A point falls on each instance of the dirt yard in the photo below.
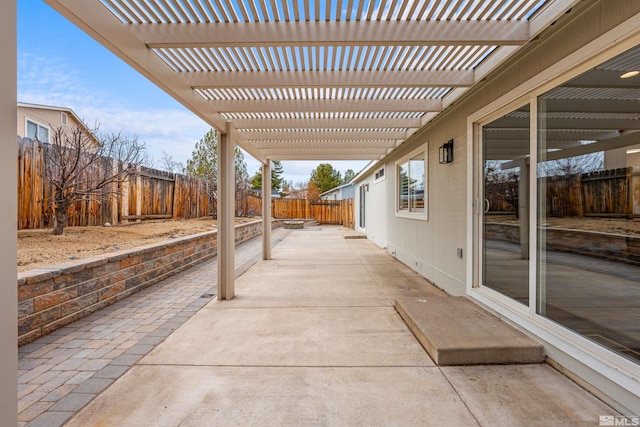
(38, 248)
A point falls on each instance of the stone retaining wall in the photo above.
(615, 247)
(50, 298)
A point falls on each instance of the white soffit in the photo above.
(314, 80)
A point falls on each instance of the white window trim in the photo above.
(423, 216)
(383, 177)
(27, 120)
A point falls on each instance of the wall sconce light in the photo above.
(366, 187)
(446, 152)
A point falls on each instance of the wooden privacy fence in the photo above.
(144, 194)
(339, 212)
(148, 194)
(609, 193)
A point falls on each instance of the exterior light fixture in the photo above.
(630, 74)
(445, 152)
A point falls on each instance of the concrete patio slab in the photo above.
(319, 344)
(269, 284)
(455, 331)
(351, 336)
(518, 395)
(198, 396)
(397, 281)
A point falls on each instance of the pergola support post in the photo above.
(226, 215)
(266, 210)
(8, 218)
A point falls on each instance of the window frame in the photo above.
(38, 126)
(380, 178)
(407, 213)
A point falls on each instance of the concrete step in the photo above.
(348, 233)
(455, 331)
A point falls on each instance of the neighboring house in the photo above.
(344, 191)
(40, 121)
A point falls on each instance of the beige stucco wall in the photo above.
(50, 118)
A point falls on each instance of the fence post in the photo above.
(124, 199)
(138, 191)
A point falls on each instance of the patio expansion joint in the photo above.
(196, 365)
(457, 392)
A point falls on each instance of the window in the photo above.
(63, 117)
(379, 175)
(411, 173)
(37, 131)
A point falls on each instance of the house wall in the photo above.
(340, 193)
(430, 247)
(333, 195)
(49, 118)
(376, 212)
(348, 192)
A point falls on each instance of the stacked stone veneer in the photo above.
(615, 247)
(50, 298)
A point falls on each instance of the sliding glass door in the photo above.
(586, 177)
(505, 216)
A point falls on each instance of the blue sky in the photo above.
(60, 65)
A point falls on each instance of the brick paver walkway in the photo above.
(61, 372)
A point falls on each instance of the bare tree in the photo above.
(168, 164)
(501, 187)
(573, 165)
(83, 167)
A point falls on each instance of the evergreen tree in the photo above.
(348, 176)
(276, 177)
(325, 177)
(204, 164)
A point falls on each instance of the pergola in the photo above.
(310, 80)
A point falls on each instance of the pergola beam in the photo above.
(324, 156)
(326, 144)
(329, 123)
(336, 151)
(318, 33)
(302, 135)
(325, 105)
(338, 79)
